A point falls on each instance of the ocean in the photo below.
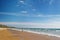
(47, 31)
(55, 31)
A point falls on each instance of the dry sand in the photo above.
(9, 34)
(6, 35)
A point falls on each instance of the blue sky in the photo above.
(45, 12)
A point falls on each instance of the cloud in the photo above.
(40, 15)
(51, 1)
(34, 9)
(25, 13)
(23, 24)
(17, 5)
(48, 1)
(21, 1)
(52, 22)
(6, 13)
(22, 13)
(32, 25)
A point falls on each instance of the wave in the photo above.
(49, 34)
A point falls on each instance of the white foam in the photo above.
(37, 32)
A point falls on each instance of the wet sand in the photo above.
(9, 34)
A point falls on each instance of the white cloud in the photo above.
(40, 15)
(32, 25)
(22, 13)
(21, 1)
(25, 13)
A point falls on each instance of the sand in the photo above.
(9, 34)
(6, 35)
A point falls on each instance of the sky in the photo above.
(30, 13)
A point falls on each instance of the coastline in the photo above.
(37, 32)
(17, 34)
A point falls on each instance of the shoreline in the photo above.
(18, 34)
(32, 32)
(37, 32)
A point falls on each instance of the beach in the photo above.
(9, 34)
(6, 35)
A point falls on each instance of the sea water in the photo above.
(45, 31)
(55, 31)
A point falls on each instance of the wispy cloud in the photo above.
(34, 9)
(51, 1)
(22, 13)
(48, 1)
(21, 1)
(40, 15)
(53, 21)
(25, 13)
(6, 13)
